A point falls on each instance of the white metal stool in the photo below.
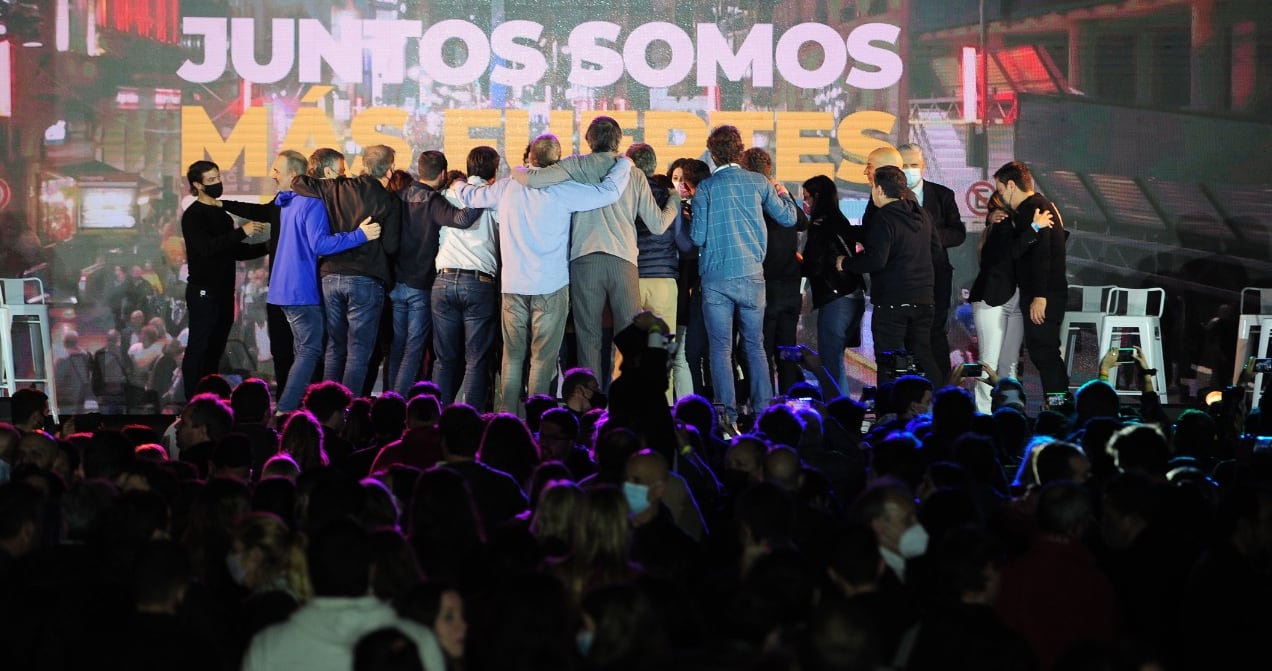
(1256, 306)
(1136, 314)
(33, 331)
(1091, 301)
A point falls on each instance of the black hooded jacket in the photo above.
(899, 247)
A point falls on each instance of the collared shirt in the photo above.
(918, 192)
(534, 225)
(728, 222)
(474, 248)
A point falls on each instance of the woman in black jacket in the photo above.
(838, 297)
(995, 295)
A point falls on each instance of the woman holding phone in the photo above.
(995, 296)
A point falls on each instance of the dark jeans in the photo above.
(905, 327)
(211, 318)
(353, 304)
(781, 317)
(838, 327)
(281, 345)
(1043, 342)
(412, 335)
(696, 345)
(465, 312)
(305, 324)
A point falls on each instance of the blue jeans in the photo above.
(306, 322)
(412, 333)
(721, 300)
(353, 304)
(465, 309)
(835, 321)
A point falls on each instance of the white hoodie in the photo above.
(323, 633)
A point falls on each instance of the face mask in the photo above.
(912, 176)
(808, 208)
(6, 472)
(584, 641)
(235, 566)
(214, 190)
(914, 542)
(637, 497)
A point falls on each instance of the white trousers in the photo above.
(1000, 330)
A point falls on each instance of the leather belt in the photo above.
(464, 271)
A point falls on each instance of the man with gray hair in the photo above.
(354, 281)
(603, 248)
(534, 237)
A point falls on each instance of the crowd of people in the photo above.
(651, 510)
(399, 533)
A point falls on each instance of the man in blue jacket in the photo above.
(304, 235)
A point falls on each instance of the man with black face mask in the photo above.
(213, 246)
(581, 391)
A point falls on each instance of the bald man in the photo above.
(878, 158)
(648, 483)
(659, 543)
(782, 467)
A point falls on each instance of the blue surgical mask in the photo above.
(637, 497)
(584, 641)
(912, 176)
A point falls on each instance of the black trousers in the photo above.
(941, 291)
(211, 317)
(909, 328)
(781, 318)
(281, 345)
(1043, 343)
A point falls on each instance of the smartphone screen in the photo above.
(1125, 354)
(973, 370)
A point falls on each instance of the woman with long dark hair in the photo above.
(995, 295)
(838, 297)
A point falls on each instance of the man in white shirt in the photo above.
(534, 239)
(465, 297)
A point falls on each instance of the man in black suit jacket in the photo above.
(939, 202)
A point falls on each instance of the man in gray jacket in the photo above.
(603, 249)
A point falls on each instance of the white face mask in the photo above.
(637, 497)
(235, 565)
(913, 542)
(912, 176)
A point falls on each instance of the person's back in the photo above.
(907, 276)
(323, 633)
(731, 204)
(348, 201)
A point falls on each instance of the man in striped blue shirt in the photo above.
(728, 229)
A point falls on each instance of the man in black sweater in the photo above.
(354, 281)
(213, 246)
(1040, 273)
(424, 211)
(900, 244)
